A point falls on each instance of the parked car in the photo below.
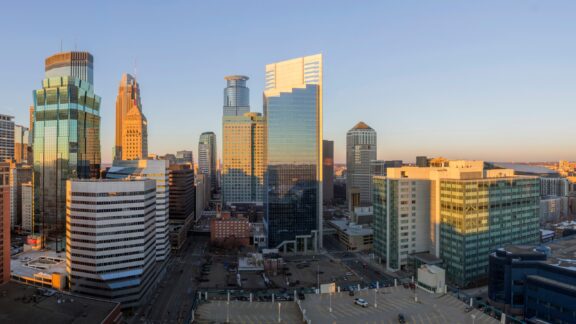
(401, 319)
(351, 293)
(361, 302)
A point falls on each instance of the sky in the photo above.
(491, 79)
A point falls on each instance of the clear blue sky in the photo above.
(493, 80)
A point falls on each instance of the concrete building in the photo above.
(553, 209)
(536, 282)
(401, 219)
(554, 187)
(21, 144)
(243, 158)
(361, 148)
(293, 181)
(4, 222)
(156, 170)
(27, 207)
(131, 124)
(183, 157)
(66, 141)
(111, 250)
(19, 174)
(182, 202)
(354, 237)
(230, 230)
(474, 210)
(6, 137)
(379, 167)
(202, 185)
(208, 158)
(328, 172)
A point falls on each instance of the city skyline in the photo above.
(478, 76)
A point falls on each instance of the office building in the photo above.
(230, 230)
(401, 219)
(236, 96)
(131, 125)
(156, 170)
(422, 161)
(293, 180)
(536, 282)
(379, 167)
(328, 171)
(553, 209)
(208, 158)
(360, 151)
(27, 203)
(110, 251)
(243, 159)
(21, 144)
(474, 210)
(19, 174)
(66, 141)
(554, 186)
(6, 137)
(4, 222)
(182, 197)
(354, 237)
(185, 157)
(202, 185)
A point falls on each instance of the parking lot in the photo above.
(386, 304)
(246, 312)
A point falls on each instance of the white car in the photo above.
(361, 302)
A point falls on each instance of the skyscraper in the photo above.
(236, 96)
(21, 143)
(328, 172)
(131, 124)
(360, 151)
(293, 179)
(66, 141)
(243, 158)
(185, 157)
(207, 158)
(4, 222)
(6, 137)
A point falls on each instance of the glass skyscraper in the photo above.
(66, 136)
(293, 178)
(236, 96)
(207, 157)
(360, 151)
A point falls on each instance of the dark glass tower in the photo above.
(66, 139)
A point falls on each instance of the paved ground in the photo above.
(390, 302)
(246, 312)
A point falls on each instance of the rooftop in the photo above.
(361, 125)
(350, 228)
(38, 263)
(26, 304)
(561, 253)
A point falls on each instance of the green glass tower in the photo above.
(66, 139)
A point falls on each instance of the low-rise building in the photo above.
(353, 236)
(432, 278)
(538, 282)
(230, 229)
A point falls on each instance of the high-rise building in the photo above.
(185, 157)
(182, 192)
(155, 170)
(554, 186)
(236, 96)
(131, 125)
(243, 158)
(293, 179)
(202, 185)
(473, 210)
(208, 157)
(110, 249)
(328, 172)
(6, 137)
(4, 222)
(379, 167)
(21, 144)
(19, 174)
(27, 203)
(66, 141)
(360, 151)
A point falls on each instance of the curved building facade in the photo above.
(236, 96)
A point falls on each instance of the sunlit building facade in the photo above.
(131, 124)
(6, 137)
(293, 178)
(208, 158)
(66, 141)
(243, 158)
(236, 96)
(360, 151)
(328, 172)
(21, 144)
(4, 222)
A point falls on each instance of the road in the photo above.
(173, 299)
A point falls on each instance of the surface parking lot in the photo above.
(246, 312)
(391, 302)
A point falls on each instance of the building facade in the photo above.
(156, 170)
(6, 137)
(19, 174)
(401, 219)
(243, 158)
(230, 230)
(360, 151)
(27, 204)
(293, 179)
(66, 141)
(328, 171)
(131, 124)
(185, 157)
(554, 186)
(208, 158)
(110, 251)
(236, 96)
(21, 144)
(4, 222)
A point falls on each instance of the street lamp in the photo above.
(376, 298)
(279, 308)
(473, 318)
